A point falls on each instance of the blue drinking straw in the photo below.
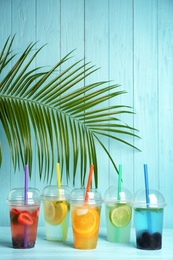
(147, 198)
(119, 180)
(146, 185)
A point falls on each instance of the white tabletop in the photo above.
(55, 250)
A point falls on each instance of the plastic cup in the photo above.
(148, 219)
(118, 214)
(24, 217)
(56, 212)
(85, 217)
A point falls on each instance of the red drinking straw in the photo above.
(89, 181)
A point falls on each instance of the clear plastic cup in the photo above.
(148, 219)
(56, 207)
(24, 217)
(118, 214)
(85, 217)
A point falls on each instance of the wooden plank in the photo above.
(72, 39)
(22, 18)
(23, 21)
(96, 50)
(165, 103)
(47, 32)
(6, 169)
(121, 72)
(5, 25)
(146, 90)
(72, 28)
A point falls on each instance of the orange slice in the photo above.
(85, 220)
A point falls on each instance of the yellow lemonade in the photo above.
(56, 216)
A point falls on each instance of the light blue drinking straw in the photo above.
(146, 185)
(147, 197)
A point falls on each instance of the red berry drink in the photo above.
(24, 221)
(24, 214)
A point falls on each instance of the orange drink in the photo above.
(85, 218)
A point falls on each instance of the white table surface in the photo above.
(105, 250)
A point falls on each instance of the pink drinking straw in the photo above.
(25, 201)
(89, 181)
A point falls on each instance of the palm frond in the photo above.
(54, 110)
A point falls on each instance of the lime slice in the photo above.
(120, 216)
(49, 211)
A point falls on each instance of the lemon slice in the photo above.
(49, 211)
(60, 212)
(55, 211)
(120, 216)
(85, 223)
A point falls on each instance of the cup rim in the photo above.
(87, 202)
(55, 197)
(115, 200)
(22, 203)
(143, 204)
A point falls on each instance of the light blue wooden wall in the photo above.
(132, 42)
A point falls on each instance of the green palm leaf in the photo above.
(55, 110)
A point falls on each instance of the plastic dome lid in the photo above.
(53, 192)
(16, 196)
(111, 194)
(155, 199)
(78, 196)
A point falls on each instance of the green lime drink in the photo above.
(118, 214)
(118, 221)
